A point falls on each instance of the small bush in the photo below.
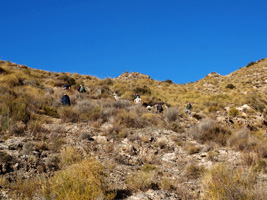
(239, 140)
(69, 156)
(142, 180)
(142, 90)
(138, 109)
(208, 130)
(171, 114)
(5, 157)
(154, 119)
(68, 114)
(107, 81)
(233, 112)
(261, 166)
(121, 104)
(69, 80)
(11, 80)
(162, 143)
(56, 142)
(84, 136)
(230, 86)
(168, 81)
(176, 127)
(130, 120)
(27, 148)
(50, 111)
(89, 111)
(84, 180)
(224, 182)
(251, 64)
(24, 188)
(194, 171)
(148, 168)
(191, 148)
(17, 128)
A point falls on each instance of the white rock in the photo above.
(169, 157)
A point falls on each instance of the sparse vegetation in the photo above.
(233, 112)
(84, 180)
(208, 130)
(46, 147)
(224, 182)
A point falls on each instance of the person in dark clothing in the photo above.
(66, 87)
(65, 100)
(159, 108)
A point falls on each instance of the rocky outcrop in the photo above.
(132, 76)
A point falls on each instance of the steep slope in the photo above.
(133, 153)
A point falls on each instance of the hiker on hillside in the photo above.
(81, 89)
(65, 100)
(136, 96)
(137, 100)
(159, 108)
(66, 87)
(188, 108)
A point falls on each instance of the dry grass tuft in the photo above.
(142, 180)
(84, 180)
(69, 156)
(223, 182)
(208, 130)
(68, 114)
(191, 148)
(171, 114)
(194, 171)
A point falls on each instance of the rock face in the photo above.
(132, 76)
(213, 74)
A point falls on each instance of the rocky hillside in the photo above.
(101, 147)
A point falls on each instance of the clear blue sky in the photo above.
(165, 39)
